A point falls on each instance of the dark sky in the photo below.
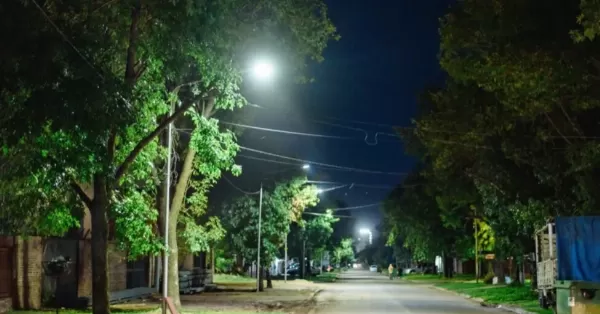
(387, 55)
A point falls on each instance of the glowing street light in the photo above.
(367, 231)
(319, 191)
(306, 166)
(263, 70)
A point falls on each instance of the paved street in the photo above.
(365, 292)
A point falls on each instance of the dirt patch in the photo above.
(271, 300)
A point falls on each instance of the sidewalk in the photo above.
(294, 296)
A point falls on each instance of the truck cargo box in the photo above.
(578, 248)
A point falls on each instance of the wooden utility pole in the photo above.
(476, 253)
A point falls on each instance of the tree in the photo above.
(343, 253)
(507, 139)
(318, 231)
(103, 88)
(280, 207)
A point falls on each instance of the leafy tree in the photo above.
(279, 209)
(87, 111)
(318, 231)
(343, 253)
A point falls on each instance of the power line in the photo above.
(322, 164)
(64, 37)
(358, 207)
(290, 132)
(239, 189)
(351, 185)
(321, 214)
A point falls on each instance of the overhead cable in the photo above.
(322, 164)
(357, 207)
(239, 189)
(290, 132)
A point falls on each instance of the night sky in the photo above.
(387, 55)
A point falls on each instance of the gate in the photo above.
(138, 273)
(6, 280)
(63, 290)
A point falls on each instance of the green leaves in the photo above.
(279, 209)
(134, 225)
(318, 230)
(215, 150)
(344, 253)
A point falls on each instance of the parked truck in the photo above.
(568, 265)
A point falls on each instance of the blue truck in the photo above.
(568, 264)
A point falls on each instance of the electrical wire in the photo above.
(386, 187)
(330, 189)
(290, 132)
(239, 189)
(66, 39)
(321, 214)
(357, 207)
(289, 163)
(322, 164)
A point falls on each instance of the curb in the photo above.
(481, 302)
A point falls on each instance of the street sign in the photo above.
(490, 256)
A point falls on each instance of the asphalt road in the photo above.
(365, 292)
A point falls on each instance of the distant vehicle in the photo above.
(373, 268)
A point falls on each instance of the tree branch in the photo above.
(84, 198)
(146, 140)
(111, 144)
(212, 93)
(556, 128)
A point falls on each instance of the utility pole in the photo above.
(259, 231)
(476, 254)
(303, 259)
(285, 262)
(167, 212)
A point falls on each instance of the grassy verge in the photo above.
(520, 296)
(438, 278)
(124, 309)
(324, 277)
(227, 278)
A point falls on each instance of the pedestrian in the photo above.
(391, 271)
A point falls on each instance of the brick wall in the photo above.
(29, 272)
(117, 268)
(84, 288)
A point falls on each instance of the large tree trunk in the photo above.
(99, 214)
(176, 204)
(261, 283)
(448, 264)
(269, 281)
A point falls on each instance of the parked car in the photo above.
(373, 268)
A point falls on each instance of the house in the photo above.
(25, 285)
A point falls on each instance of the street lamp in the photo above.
(367, 231)
(263, 69)
(306, 166)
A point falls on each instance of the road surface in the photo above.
(366, 292)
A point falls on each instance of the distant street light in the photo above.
(319, 191)
(306, 166)
(367, 231)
